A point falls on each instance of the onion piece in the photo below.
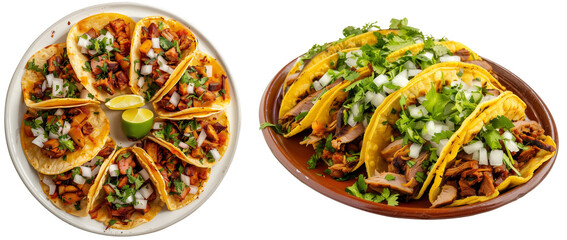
(140, 204)
(85, 94)
(129, 199)
(401, 80)
(201, 138)
(175, 98)
(183, 145)
(38, 131)
(414, 150)
(325, 80)
(190, 88)
(49, 78)
(511, 146)
(378, 99)
(113, 170)
(155, 43)
(86, 172)
(151, 53)
(146, 69)
(144, 174)
(95, 171)
(193, 189)
(215, 153)
(185, 179)
(427, 55)
(78, 179)
(57, 89)
(413, 72)
(350, 121)
(84, 42)
(450, 59)
(66, 128)
(44, 86)
(49, 182)
(141, 81)
(209, 70)
(496, 157)
(146, 191)
(442, 144)
(473, 147)
(483, 156)
(381, 79)
(157, 125)
(317, 85)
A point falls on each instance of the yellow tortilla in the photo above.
(512, 107)
(135, 53)
(214, 117)
(85, 202)
(198, 58)
(378, 135)
(78, 59)
(416, 48)
(30, 77)
(93, 144)
(350, 42)
(170, 201)
(99, 197)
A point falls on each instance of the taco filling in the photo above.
(59, 79)
(58, 131)
(128, 190)
(422, 131)
(160, 53)
(200, 139)
(72, 187)
(108, 53)
(181, 179)
(501, 149)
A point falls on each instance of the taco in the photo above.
(198, 140)
(202, 87)
(50, 81)
(343, 120)
(414, 127)
(499, 150)
(73, 190)
(99, 50)
(57, 140)
(160, 50)
(180, 182)
(127, 191)
(320, 52)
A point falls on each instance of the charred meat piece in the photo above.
(398, 182)
(448, 195)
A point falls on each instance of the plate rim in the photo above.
(400, 211)
(14, 146)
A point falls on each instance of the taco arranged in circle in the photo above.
(180, 182)
(501, 149)
(50, 81)
(127, 193)
(160, 51)
(201, 88)
(73, 190)
(199, 140)
(57, 140)
(99, 50)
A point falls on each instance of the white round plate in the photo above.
(15, 109)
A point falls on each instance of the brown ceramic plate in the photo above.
(294, 156)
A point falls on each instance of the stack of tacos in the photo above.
(398, 104)
(65, 132)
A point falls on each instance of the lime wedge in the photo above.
(137, 122)
(124, 102)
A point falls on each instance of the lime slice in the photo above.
(136, 123)
(124, 102)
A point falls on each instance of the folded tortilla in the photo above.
(135, 55)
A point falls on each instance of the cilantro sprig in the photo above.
(359, 190)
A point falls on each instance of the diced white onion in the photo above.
(85, 94)
(388, 90)
(175, 98)
(483, 156)
(183, 145)
(473, 147)
(378, 99)
(186, 179)
(401, 80)
(78, 179)
(155, 43)
(417, 111)
(44, 86)
(66, 128)
(209, 70)
(381, 79)
(113, 170)
(92, 52)
(352, 58)
(193, 189)
(157, 125)
(368, 96)
(49, 78)
(38, 131)
(427, 55)
(215, 153)
(49, 182)
(95, 171)
(146, 191)
(410, 65)
(140, 204)
(53, 135)
(141, 81)
(138, 196)
(201, 138)
(108, 48)
(317, 86)
(355, 109)
(57, 89)
(129, 199)
(414, 150)
(86, 172)
(325, 80)
(496, 157)
(84, 42)
(144, 174)
(476, 155)
(450, 59)
(151, 53)
(161, 60)
(511, 145)
(413, 72)
(421, 99)
(350, 121)
(442, 144)
(146, 69)
(166, 68)
(508, 135)
(190, 88)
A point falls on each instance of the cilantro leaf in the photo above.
(276, 127)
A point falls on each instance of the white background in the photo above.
(259, 198)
